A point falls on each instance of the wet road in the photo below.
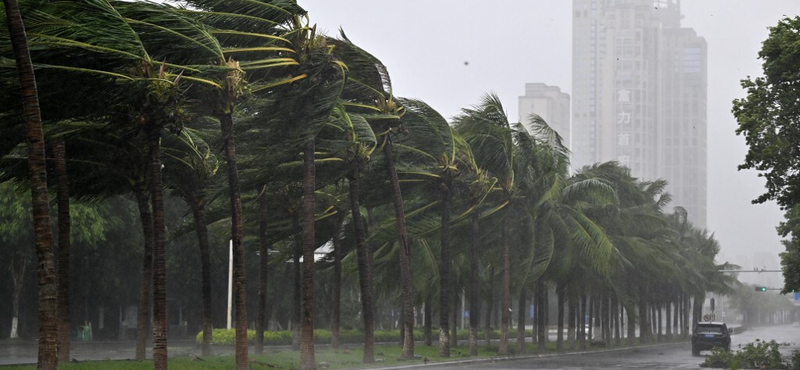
(669, 356)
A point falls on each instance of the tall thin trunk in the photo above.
(62, 180)
(307, 358)
(263, 269)
(591, 316)
(606, 320)
(685, 318)
(444, 275)
(402, 332)
(668, 318)
(572, 310)
(454, 321)
(561, 293)
(487, 328)
(143, 317)
(237, 234)
(521, 321)
(199, 213)
(541, 314)
(632, 323)
(337, 278)
(615, 311)
(676, 316)
(582, 320)
(506, 302)
(404, 251)
(297, 296)
(48, 303)
(159, 252)
(19, 263)
(474, 288)
(658, 321)
(428, 324)
(644, 325)
(364, 269)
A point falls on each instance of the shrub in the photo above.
(760, 354)
(795, 360)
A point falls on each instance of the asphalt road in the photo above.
(668, 356)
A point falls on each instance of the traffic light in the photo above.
(761, 289)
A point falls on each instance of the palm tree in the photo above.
(190, 167)
(134, 35)
(48, 314)
(354, 151)
(369, 92)
(442, 164)
(488, 131)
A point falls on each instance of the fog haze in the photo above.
(448, 53)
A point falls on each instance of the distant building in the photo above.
(639, 88)
(549, 103)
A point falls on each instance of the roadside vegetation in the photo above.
(757, 355)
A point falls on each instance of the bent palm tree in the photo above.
(48, 330)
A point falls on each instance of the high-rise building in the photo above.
(549, 103)
(639, 95)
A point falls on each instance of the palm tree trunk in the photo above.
(668, 319)
(159, 252)
(658, 322)
(675, 318)
(582, 320)
(560, 291)
(644, 325)
(487, 328)
(364, 269)
(506, 303)
(474, 288)
(444, 275)
(337, 278)
(454, 321)
(19, 263)
(404, 252)
(521, 321)
(428, 324)
(591, 316)
(615, 311)
(307, 360)
(62, 180)
(263, 253)
(572, 310)
(48, 303)
(685, 320)
(297, 296)
(541, 313)
(607, 320)
(143, 317)
(199, 213)
(237, 234)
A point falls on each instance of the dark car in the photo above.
(707, 335)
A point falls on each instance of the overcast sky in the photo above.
(450, 52)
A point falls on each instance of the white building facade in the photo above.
(639, 91)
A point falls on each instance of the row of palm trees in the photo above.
(130, 94)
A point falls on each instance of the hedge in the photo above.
(322, 336)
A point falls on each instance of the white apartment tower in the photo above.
(639, 95)
(549, 103)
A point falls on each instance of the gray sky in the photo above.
(425, 44)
